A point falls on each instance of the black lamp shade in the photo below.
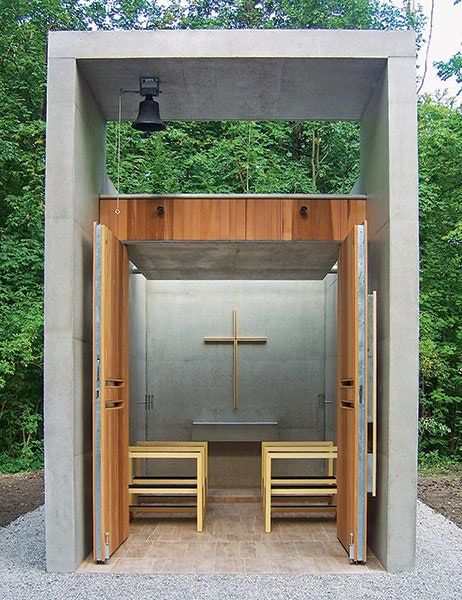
(148, 118)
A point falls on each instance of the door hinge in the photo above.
(148, 402)
(107, 553)
(351, 549)
(361, 393)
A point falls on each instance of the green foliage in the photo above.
(211, 157)
(236, 156)
(440, 135)
(451, 68)
(23, 30)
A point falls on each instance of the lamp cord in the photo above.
(119, 122)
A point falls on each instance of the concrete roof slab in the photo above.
(234, 260)
(236, 74)
(236, 43)
(231, 89)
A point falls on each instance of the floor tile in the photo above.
(310, 549)
(257, 565)
(137, 550)
(229, 565)
(132, 565)
(294, 565)
(233, 541)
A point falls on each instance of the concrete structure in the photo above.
(368, 76)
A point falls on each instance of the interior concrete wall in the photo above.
(137, 356)
(330, 284)
(278, 381)
(283, 380)
(75, 175)
(389, 178)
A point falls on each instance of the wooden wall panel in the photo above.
(263, 219)
(346, 475)
(352, 392)
(325, 219)
(348, 309)
(138, 219)
(232, 219)
(208, 219)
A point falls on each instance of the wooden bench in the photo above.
(186, 444)
(169, 494)
(311, 487)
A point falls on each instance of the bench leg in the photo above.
(268, 494)
(200, 494)
(263, 472)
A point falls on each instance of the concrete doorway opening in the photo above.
(178, 389)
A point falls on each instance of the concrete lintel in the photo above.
(273, 43)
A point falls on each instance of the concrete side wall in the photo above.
(137, 356)
(389, 177)
(75, 176)
(330, 284)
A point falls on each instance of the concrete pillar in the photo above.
(389, 178)
(75, 175)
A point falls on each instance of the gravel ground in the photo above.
(438, 573)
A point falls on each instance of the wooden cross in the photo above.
(235, 340)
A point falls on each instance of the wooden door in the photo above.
(352, 394)
(110, 393)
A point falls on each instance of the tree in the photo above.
(452, 67)
(195, 157)
(440, 135)
(23, 30)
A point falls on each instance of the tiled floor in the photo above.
(233, 541)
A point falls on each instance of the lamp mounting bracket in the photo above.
(149, 86)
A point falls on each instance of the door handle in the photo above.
(148, 401)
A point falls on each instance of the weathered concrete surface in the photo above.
(282, 380)
(389, 177)
(75, 176)
(245, 74)
(137, 356)
(234, 260)
(330, 411)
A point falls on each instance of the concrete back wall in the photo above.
(283, 380)
(278, 381)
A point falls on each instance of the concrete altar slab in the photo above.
(236, 431)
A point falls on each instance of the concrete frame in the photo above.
(75, 177)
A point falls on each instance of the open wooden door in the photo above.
(110, 393)
(352, 394)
